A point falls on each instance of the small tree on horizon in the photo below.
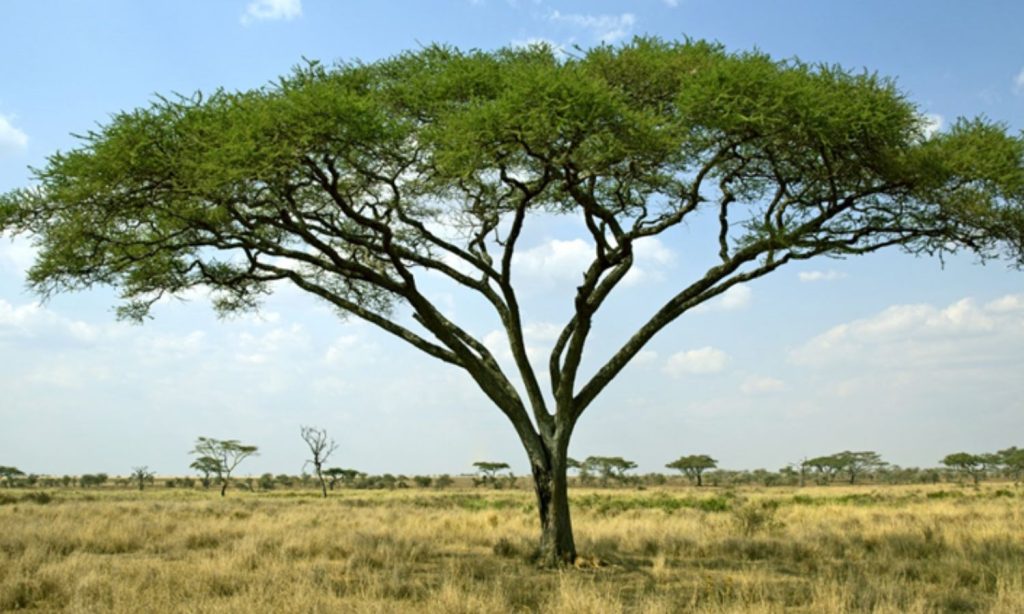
(221, 457)
(489, 474)
(693, 466)
(205, 466)
(321, 448)
(10, 474)
(1012, 460)
(609, 468)
(858, 463)
(972, 465)
(142, 476)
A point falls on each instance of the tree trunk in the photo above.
(223, 487)
(699, 481)
(550, 482)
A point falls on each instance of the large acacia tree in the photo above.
(357, 181)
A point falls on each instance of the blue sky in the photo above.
(887, 352)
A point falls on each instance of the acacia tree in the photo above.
(220, 457)
(857, 463)
(355, 182)
(1012, 460)
(205, 466)
(10, 474)
(609, 468)
(973, 465)
(693, 466)
(489, 474)
(141, 475)
(321, 448)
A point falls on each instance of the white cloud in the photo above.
(12, 140)
(812, 276)
(1018, 82)
(645, 357)
(1010, 302)
(272, 10)
(541, 331)
(351, 350)
(911, 336)
(651, 255)
(736, 297)
(696, 362)
(556, 260)
(756, 384)
(32, 320)
(17, 255)
(564, 261)
(260, 349)
(733, 299)
(538, 336)
(173, 345)
(933, 123)
(605, 28)
(533, 41)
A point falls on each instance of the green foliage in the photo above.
(219, 457)
(10, 474)
(336, 179)
(87, 480)
(487, 475)
(973, 465)
(610, 468)
(854, 464)
(693, 466)
(141, 476)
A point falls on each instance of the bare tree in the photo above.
(321, 448)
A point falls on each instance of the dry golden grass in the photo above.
(864, 549)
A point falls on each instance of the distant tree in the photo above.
(1012, 461)
(141, 476)
(825, 466)
(266, 481)
(206, 466)
(347, 477)
(693, 466)
(222, 456)
(854, 464)
(10, 474)
(858, 463)
(582, 472)
(609, 468)
(321, 448)
(972, 465)
(92, 479)
(443, 481)
(488, 472)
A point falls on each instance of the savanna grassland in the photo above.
(938, 548)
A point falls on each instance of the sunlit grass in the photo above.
(870, 549)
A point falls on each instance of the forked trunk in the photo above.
(557, 546)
